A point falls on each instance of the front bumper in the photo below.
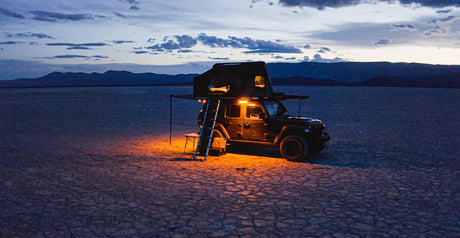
(325, 137)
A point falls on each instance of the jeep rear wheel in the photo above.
(294, 148)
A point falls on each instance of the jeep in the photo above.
(266, 122)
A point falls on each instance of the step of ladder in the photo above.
(207, 128)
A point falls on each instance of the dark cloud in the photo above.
(122, 41)
(186, 41)
(72, 44)
(433, 3)
(437, 30)
(79, 48)
(97, 57)
(30, 35)
(55, 16)
(70, 56)
(9, 13)
(405, 27)
(10, 42)
(321, 4)
(185, 51)
(138, 52)
(307, 46)
(119, 14)
(133, 4)
(441, 20)
(383, 42)
(253, 46)
(324, 50)
(443, 11)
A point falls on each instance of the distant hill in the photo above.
(450, 80)
(374, 74)
(109, 78)
(357, 71)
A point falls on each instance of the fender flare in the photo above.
(221, 128)
(289, 129)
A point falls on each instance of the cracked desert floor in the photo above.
(96, 162)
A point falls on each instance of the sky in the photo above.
(178, 36)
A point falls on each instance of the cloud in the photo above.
(30, 35)
(252, 45)
(186, 41)
(383, 42)
(322, 4)
(255, 46)
(307, 46)
(324, 50)
(403, 27)
(443, 11)
(70, 56)
(217, 58)
(122, 41)
(55, 16)
(10, 42)
(79, 48)
(9, 13)
(139, 52)
(100, 57)
(433, 3)
(133, 4)
(437, 30)
(119, 14)
(448, 19)
(319, 58)
(72, 44)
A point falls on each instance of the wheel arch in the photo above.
(289, 130)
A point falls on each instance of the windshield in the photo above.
(275, 109)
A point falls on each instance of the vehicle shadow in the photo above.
(253, 150)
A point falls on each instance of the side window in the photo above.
(259, 81)
(233, 111)
(253, 112)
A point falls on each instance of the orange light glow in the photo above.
(243, 101)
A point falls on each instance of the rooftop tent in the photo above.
(248, 79)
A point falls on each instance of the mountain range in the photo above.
(377, 74)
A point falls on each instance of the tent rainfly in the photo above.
(247, 79)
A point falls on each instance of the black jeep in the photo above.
(250, 112)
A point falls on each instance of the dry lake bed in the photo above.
(96, 162)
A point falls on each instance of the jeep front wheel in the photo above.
(294, 148)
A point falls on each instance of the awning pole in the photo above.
(170, 119)
(300, 103)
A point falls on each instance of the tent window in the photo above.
(259, 82)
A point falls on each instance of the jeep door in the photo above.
(254, 126)
(232, 121)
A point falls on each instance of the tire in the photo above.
(294, 148)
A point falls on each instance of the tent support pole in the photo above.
(170, 120)
(300, 103)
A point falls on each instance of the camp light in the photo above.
(242, 101)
